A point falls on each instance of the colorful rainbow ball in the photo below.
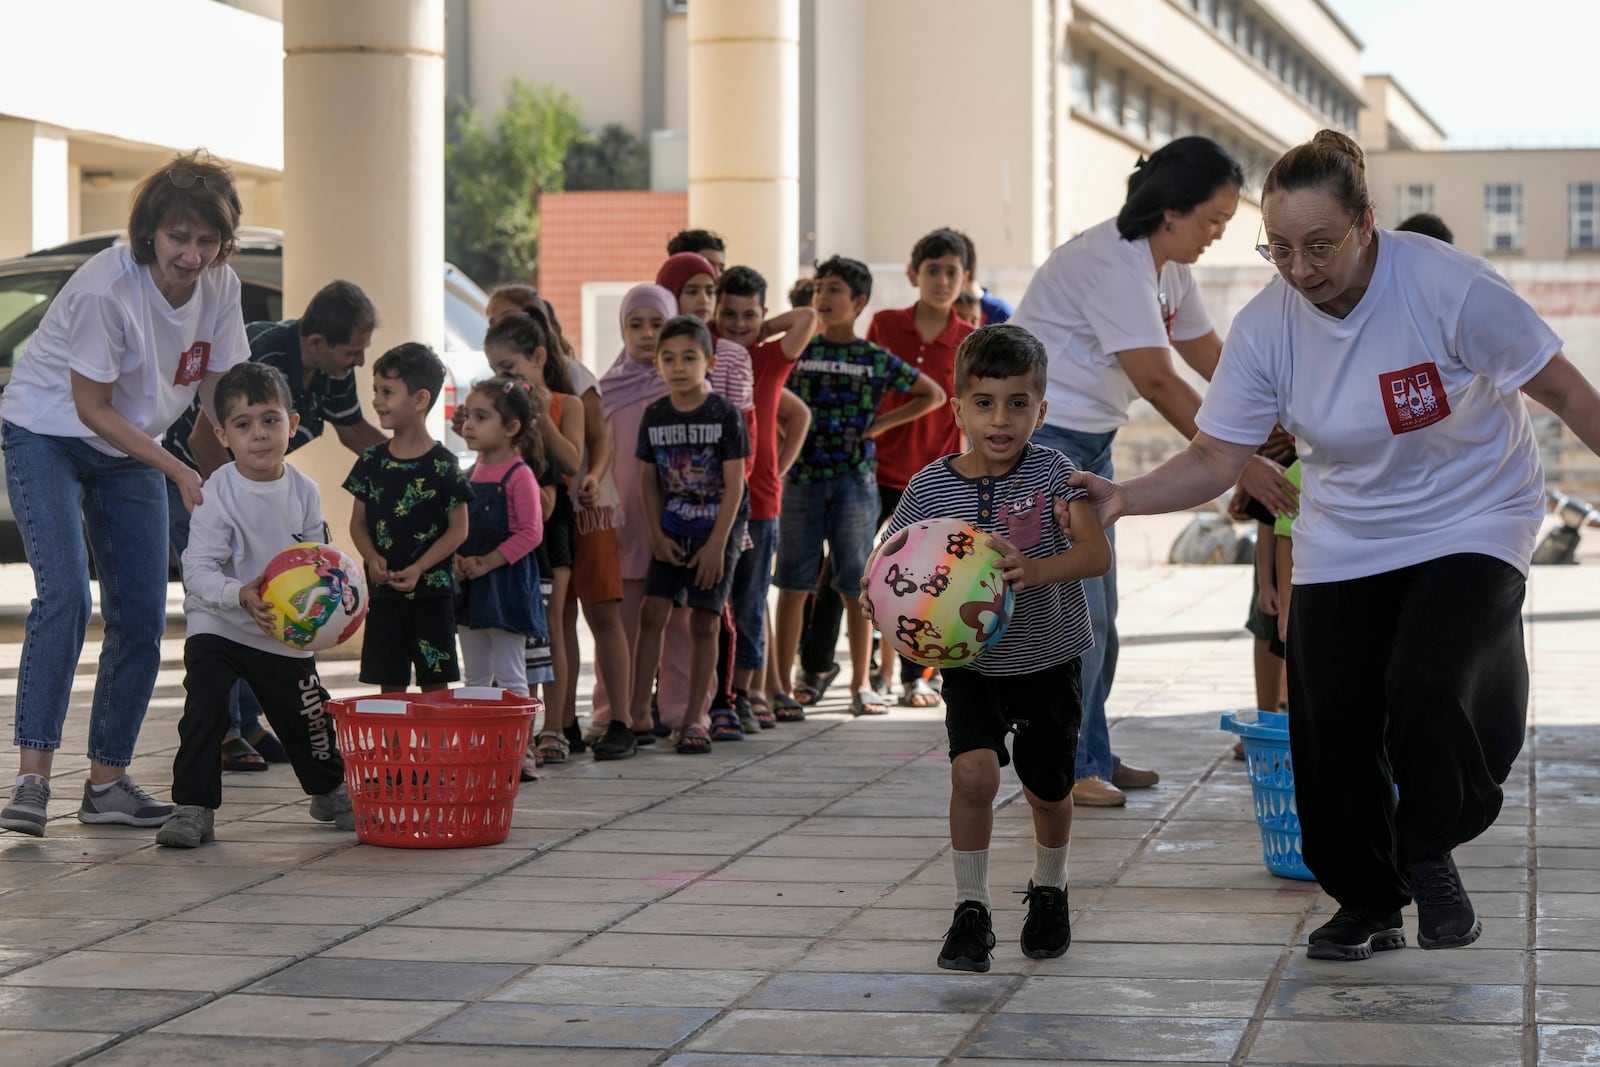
(935, 590)
(317, 593)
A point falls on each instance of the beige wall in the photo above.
(1392, 120)
(1458, 180)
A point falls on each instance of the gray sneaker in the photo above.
(123, 802)
(191, 826)
(26, 812)
(334, 806)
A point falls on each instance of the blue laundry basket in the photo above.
(1271, 769)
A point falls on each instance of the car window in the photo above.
(23, 300)
(259, 303)
(464, 325)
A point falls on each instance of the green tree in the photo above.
(616, 158)
(493, 179)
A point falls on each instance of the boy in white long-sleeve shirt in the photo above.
(254, 508)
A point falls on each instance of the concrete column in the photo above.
(35, 187)
(744, 141)
(363, 189)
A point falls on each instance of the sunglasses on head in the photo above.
(188, 179)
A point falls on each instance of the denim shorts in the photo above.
(843, 512)
(674, 583)
(751, 580)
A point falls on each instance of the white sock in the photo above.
(101, 790)
(1050, 865)
(972, 875)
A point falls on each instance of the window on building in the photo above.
(1108, 93)
(1136, 110)
(1269, 51)
(1502, 217)
(1208, 11)
(1583, 216)
(1409, 199)
(1164, 120)
(1247, 34)
(1228, 20)
(1083, 81)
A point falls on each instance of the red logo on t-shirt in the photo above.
(192, 364)
(1414, 397)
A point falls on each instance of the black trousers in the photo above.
(1415, 678)
(292, 697)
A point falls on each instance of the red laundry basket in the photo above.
(434, 770)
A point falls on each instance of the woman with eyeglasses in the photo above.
(1400, 364)
(123, 349)
(1110, 305)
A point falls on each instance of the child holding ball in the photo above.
(1008, 487)
(254, 508)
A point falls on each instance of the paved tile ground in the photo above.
(781, 901)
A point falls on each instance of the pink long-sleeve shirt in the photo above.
(522, 507)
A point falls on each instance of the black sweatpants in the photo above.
(292, 697)
(1415, 678)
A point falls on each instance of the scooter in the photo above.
(1560, 545)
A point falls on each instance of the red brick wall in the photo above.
(601, 237)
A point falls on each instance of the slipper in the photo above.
(881, 685)
(239, 755)
(552, 747)
(813, 686)
(530, 770)
(725, 725)
(270, 747)
(919, 694)
(786, 709)
(867, 702)
(761, 708)
(645, 738)
(694, 741)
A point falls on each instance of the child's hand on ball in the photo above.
(1015, 567)
(260, 610)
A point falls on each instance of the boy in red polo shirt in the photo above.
(926, 336)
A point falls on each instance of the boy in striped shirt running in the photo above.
(1028, 684)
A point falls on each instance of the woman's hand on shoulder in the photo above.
(1264, 480)
(1107, 497)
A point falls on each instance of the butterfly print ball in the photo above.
(934, 588)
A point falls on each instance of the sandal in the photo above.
(270, 747)
(868, 702)
(812, 686)
(725, 725)
(239, 755)
(553, 747)
(919, 694)
(530, 769)
(694, 741)
(761, 708)
(786, 709)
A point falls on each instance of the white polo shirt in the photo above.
(1414, 440)
(1095, 296)
(111, 324)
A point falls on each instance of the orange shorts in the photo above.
(596, 574)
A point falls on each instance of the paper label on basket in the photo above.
(478, 692)
(383, 707)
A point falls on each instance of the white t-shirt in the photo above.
(1095, 296)
(1413, 438)
(233, 535)
(111, 324)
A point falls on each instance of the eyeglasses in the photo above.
(1317, 253)
(188, 179)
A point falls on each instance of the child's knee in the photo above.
(704, 624)
(653, 613)
(975, 778)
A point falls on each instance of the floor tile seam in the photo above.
(1530, 979)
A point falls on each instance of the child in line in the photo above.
(410, 516)
(254, 508)
(692, 447)
(1027, 684)
(831, 494)
(500, 607)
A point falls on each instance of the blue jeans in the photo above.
(244, 711)
(841, 512)
(751, 580)
(1092, 453)
(59, 486)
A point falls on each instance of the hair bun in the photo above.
(1335, 141)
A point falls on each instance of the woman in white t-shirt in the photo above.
(1399, 364)
(1109, 306)
(121, 352)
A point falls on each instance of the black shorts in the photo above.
(677, 583)
(1043, 708)
(559, 544)
(402, 634)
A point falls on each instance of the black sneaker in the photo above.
(617, 742)
(576, 745)
(1047, 931)
(1355, 934)
(1445, 918)
(969, 939)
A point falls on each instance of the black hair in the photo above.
(966, 296)
(972, 253)
(338, 311)
(694, 241)
(1331, 159)
(252, 383)
(525, 296)
(686, 326)
(1002, 350)
(852, 272)
(941, 242)
(1429, 225)
(416, 365)
(527, 331)
(1179, 176)
(800, 292)
(513, 398)
(743, 281)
